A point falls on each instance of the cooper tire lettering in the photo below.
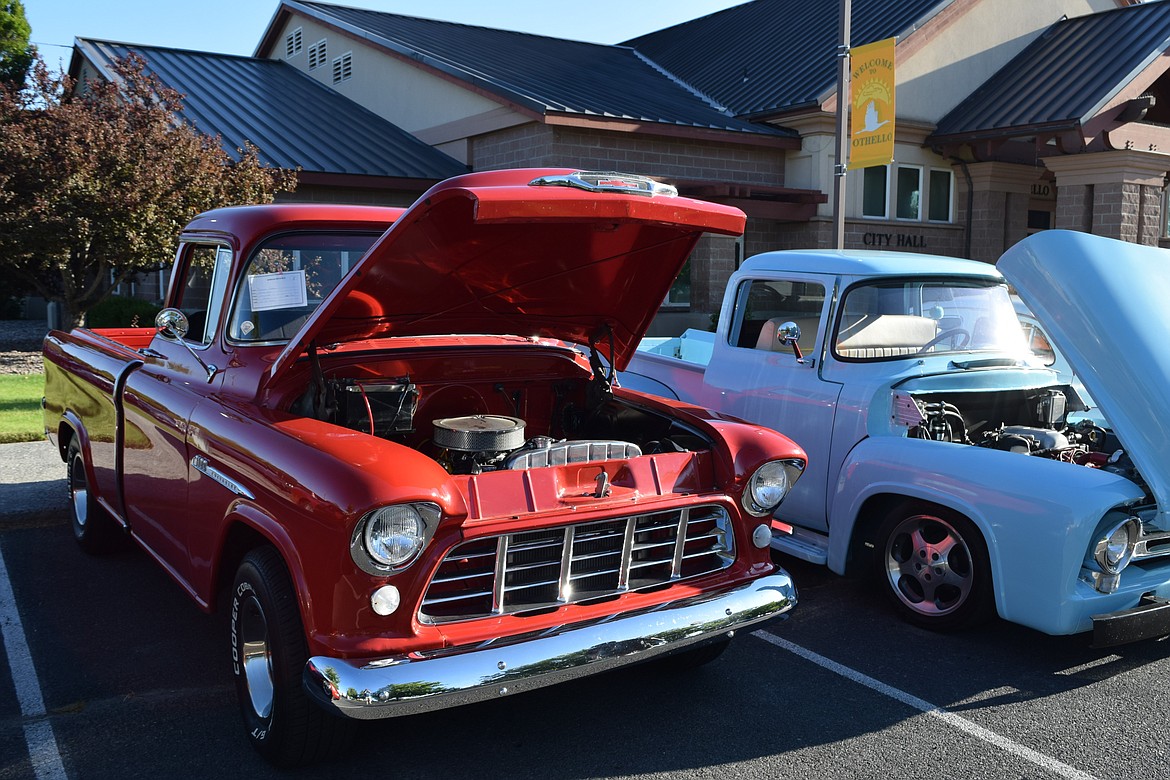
(269, 652)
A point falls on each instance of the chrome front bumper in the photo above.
(410, 684)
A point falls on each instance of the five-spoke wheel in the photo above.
(934, 565)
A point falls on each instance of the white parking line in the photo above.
(1046, 762)
(38, 731)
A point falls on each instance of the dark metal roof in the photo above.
(768, 56)
(538, 73)
(1064, 77)
(292, 120)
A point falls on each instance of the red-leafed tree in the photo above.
(96, 183)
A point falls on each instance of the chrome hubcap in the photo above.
(256, 657)
(929, 566)
(78, 491)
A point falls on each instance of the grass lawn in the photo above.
(20, 407)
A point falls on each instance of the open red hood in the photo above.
(529, 252)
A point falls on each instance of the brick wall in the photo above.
(1108, 218)
(525, 146)
(536, 145)
(1074, 207)
(1150, 224)
(1130, 212)
(916, 237)
(1125, 211)
(362, 196)
(987, 220)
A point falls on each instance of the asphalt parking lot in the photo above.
(133, 681)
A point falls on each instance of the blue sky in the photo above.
(235, 26)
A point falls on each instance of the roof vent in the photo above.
(317, 55)
(343, 68)
(292, 43)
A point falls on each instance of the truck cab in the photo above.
(944, 457)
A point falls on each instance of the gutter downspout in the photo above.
(970, 205)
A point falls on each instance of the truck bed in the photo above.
(673, 368)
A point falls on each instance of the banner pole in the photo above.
(843, 102)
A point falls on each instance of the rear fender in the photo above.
(69, 428)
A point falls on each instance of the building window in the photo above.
(292, 43)
(1039, 219)
(680, 291)
(941, 196)
(873, 192)
(343, 68)
(909, 192)
(317, 55)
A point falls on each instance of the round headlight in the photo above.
(767, 487)
(1115, 549)
(393, 535)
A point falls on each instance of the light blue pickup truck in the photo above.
(942, 456)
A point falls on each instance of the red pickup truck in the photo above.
(389, 443)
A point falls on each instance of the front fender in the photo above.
(1038, 516)
(275, 533)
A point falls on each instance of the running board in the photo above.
(802, 543)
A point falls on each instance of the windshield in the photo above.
(893, 319)
(287, 278)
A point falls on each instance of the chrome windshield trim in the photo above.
(203, 466)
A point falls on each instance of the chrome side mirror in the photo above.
(172, 323)
(788, 334)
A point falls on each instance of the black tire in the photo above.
(933, 565)
(93, 528)
(688, 660)
(268, 657)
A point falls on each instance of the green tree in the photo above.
(96, 183)
(16, 55)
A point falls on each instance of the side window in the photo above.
(680, 291)
(1039, 344)
(202, 290)
(763, 305)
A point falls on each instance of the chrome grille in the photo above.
(534, 571)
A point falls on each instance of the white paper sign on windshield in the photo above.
(283, 290)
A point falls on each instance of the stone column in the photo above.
(999, 205)
(1117, 194)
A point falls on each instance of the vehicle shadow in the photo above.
(137, 682)
(849, 621)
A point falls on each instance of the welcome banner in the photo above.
(871, 126)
